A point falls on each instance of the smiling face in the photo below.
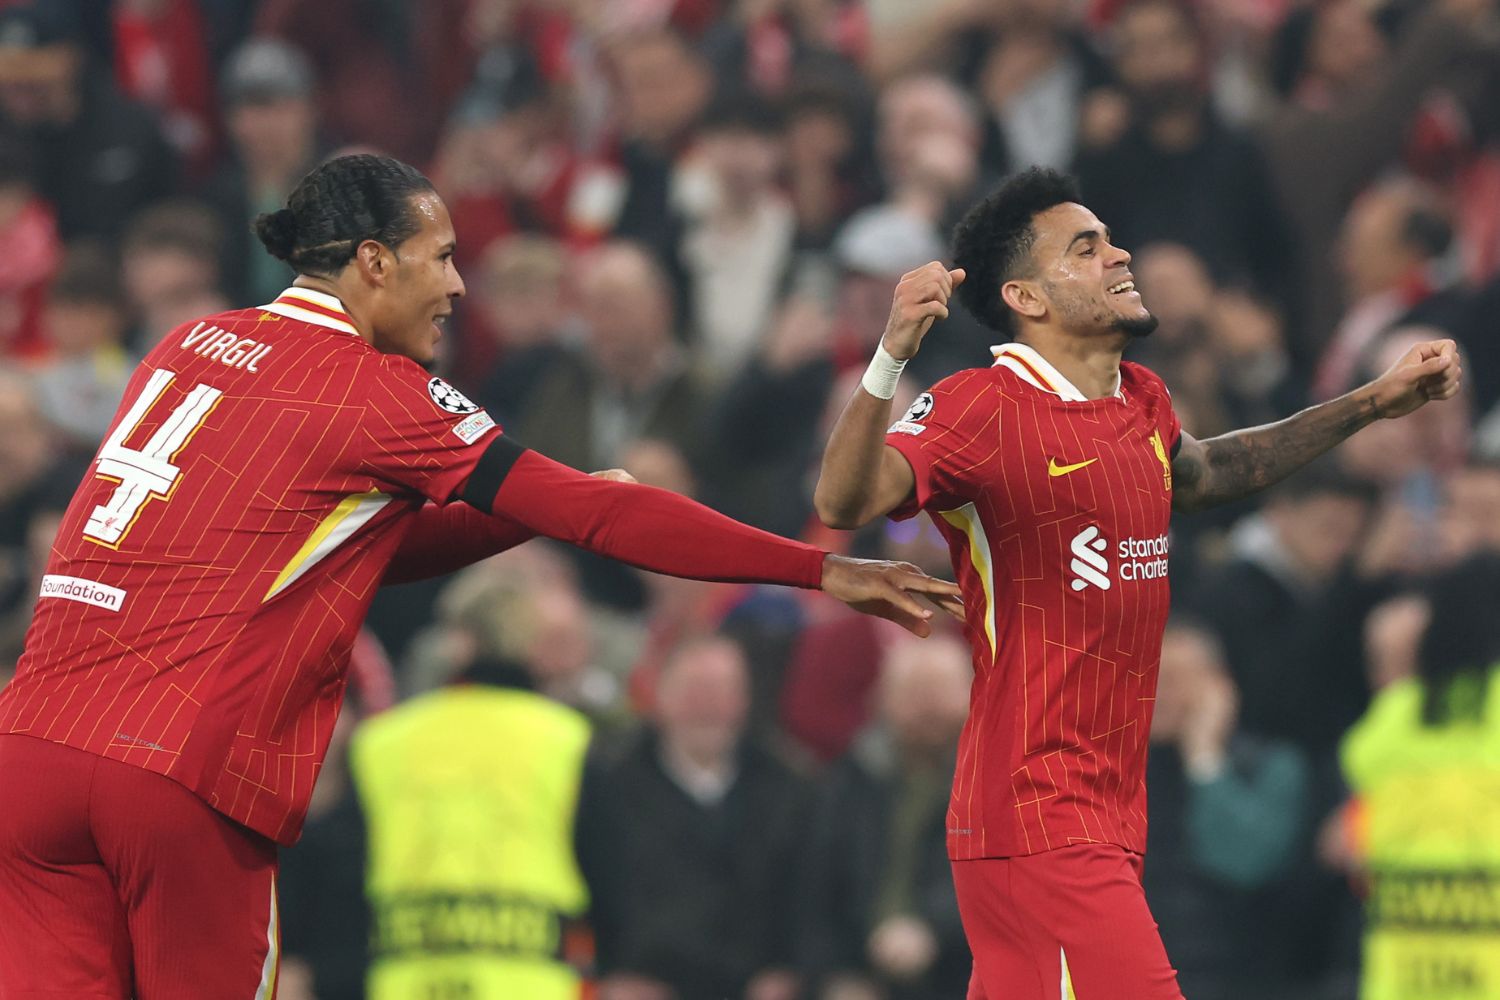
(419, 286)
(1081, 283)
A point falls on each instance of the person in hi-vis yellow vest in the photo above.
(470, 793)
(1424, 765)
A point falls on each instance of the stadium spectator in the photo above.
(1256, 374)
(1424, 767)
(873, 249)
(763, 421)
(1470, 516)
(523, 608)
(267, 92)
(1179, 173)
(373, 84)
(1037, 76)
(505, 160)
(629, 379)
(28, 452)
(487, 835)
(1405, 536)
(1182, 291)
(928, 144)
(1287, 604)
(1355, 99)
(162, 60)
(1227, 808)
(26, 546)
(663, 87)
(170, 268)
(325, 928)
(737, 244)
(80, 384)
(1393, 631)
(768, 47)
(519, 300)
(1392, 252)
(832, 674)
(101, 157)
(28, 231)
(830, 172)
(882, 917)
(696, 840)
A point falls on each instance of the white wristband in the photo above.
(880, 378)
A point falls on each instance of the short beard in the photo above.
(1137, 328)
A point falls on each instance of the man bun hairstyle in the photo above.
(338, 206)
(993, 241)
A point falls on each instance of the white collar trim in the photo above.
(1012, 355)
(282, 307)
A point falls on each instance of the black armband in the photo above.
(490, 472)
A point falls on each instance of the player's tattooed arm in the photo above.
(1225, 468)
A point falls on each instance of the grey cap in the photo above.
(264, 70)
(886, 240)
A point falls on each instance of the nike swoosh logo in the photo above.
(1053, 469)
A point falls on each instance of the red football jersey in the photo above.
(1056, 512)
(210, 575)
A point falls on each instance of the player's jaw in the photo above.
(1123, 301)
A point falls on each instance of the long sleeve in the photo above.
(445, 539)
(649, 528)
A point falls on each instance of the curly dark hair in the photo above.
(339, 205)
(993, 242)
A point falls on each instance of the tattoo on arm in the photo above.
(1226, 468)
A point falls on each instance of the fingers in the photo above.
(917, 626)
(913, 579)
(930, 282)
(946, 597)
(1437, 348)
(897, 596)
(1441, 374)
(952, 606)
(614, 475)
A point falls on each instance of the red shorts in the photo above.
(116, 882)
(1062, 924)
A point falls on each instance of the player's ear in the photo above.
(1024, 297)
(374, 261)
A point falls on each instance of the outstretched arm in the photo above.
(445, 539)
(862, 478)
(658, 530)
(1225, 468)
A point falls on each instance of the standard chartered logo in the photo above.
(1138, 558)
(1089, 564)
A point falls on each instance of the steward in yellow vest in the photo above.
(1424, 764)
(470, 793)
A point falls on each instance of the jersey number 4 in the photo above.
(145, 472)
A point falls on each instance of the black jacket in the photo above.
(846, 864)
(697, 896)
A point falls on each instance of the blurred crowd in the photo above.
(681, 222)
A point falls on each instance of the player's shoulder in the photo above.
(948, 401)
(400, 377)
(966, 384)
